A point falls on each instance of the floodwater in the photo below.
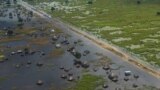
(21, 72)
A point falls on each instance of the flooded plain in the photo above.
(39, 56)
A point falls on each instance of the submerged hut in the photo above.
(113, 77)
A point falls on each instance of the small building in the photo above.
(58, 45)
(127, 73)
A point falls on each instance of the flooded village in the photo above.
(37, 54)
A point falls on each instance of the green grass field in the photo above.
(124, 23)
(88, 82)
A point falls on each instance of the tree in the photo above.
(90, 2)
(9, 33)
(10, 15)
(52, 9)
(30, 13)
(20, 19)
(138, 2)
(8, 2)
(15, 1)
(158, 13)
(66, 1)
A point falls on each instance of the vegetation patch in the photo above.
(26, 31)
(57, 30)
(57, 52)
(2, 79)
(88, 82)
(2, 32)
(11, 38)
(39, 41)
(103, 61)
(1, 57)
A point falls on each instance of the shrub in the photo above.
(158, 13)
